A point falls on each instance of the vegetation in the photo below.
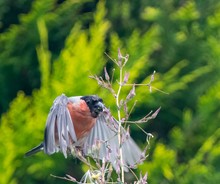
(49, 47)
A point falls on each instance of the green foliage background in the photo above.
(49, 47)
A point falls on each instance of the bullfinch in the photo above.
(83, 123)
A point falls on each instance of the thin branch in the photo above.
(160, 90)
(111, 58)
(68, 178)
(113, 72)
(119, 128)
(135, 102)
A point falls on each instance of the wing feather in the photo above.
(70, 127)
(65, 128)
(50, 140)
(106, 133)
(59, 127)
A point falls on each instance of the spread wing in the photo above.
(102, 142)
(59, 130)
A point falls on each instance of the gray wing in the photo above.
(59, 130)
(102, 142)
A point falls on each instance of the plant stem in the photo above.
(119, 127)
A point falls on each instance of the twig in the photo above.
(119, 127)
(68, 178)
(111, 58)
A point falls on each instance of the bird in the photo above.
(83, 124)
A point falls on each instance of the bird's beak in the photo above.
(100, 106)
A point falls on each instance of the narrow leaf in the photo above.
(120, 57)
(155, 113)
(131, 94)
(106, 74)
(126, 77)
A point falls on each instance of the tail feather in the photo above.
(34, 150)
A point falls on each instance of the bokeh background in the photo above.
(50, 47)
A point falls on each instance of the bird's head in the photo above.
(95, 104)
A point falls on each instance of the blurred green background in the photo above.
(49, 47)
